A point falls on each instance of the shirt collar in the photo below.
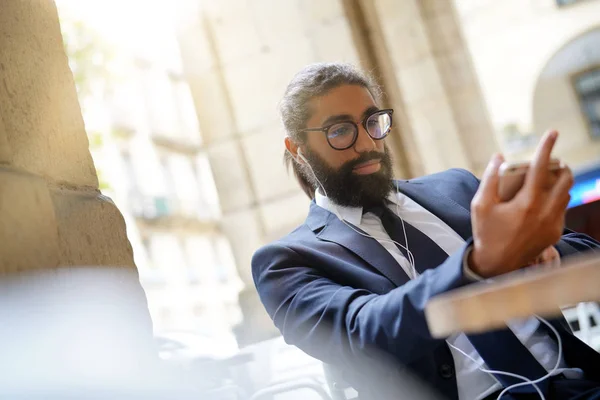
(352, 215)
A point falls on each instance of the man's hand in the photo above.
(550, 256)
(508, 235)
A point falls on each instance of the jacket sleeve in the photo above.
(572, 243)
(339, 324)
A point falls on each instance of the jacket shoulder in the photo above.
(449, 176)
(457, 184)
(301, 237)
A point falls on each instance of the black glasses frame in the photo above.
(326, 128)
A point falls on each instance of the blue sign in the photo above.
(586, 188)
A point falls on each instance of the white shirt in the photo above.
(473, 384)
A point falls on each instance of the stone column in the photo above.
(438, 89)
(52, 214)
(219, 125)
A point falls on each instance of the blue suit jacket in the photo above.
(343, 299)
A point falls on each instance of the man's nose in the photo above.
(364, 142)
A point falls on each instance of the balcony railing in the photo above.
(170, 211)
(151, 207)
(180, 143)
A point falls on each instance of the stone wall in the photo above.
(440, 93)
(51, 211)
(57, 231)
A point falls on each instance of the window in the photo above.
(183, 182)
(587, 86)
(126, 106)
(129, 174)
(200, 259)
(150, 271)
(162, 109)
(193, 262)
(209, 206)
(566, 2)
(150, 256)
(148, 249)
(225, 267)
(170, 107)
(187, 112)
(168, 177)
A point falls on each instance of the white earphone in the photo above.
(301, 156)
(526, 381)
(411, 261)
(410, 258)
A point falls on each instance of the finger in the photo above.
(551, 180)
(558, 211)
(544, 256)
(560, 190)
(563, 203)
(539, 166)
(555, 254)
(556, 259)
(558, 205)
(488, 189)
(549, 254)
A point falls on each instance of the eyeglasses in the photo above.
(343, 135)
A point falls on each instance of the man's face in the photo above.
(360, 175)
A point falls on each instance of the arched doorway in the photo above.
(567, 98)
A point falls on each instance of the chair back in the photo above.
(339, 389)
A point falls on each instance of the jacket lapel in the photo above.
(330, 228)
(366, 248)
(336, 231)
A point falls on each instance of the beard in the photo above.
(346, 188)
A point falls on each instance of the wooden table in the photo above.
(543, 291)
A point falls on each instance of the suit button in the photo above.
(446, 371)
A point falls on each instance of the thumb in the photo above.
(489, 181)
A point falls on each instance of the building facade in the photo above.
(150, 154)
(538, 63)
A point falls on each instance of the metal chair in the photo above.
(284, 387)
(339, 389)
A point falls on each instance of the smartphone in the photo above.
(512, 177)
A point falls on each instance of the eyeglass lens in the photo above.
(344, 134)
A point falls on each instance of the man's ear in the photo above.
(292, 147)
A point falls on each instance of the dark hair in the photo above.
(313, 81)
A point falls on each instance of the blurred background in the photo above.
(179, 101)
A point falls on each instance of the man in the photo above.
(350, 285)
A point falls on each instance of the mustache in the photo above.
(363, 158)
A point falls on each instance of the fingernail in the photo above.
(553, 135)
(493, 164)
(496, 159)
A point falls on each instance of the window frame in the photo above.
(582, 101)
